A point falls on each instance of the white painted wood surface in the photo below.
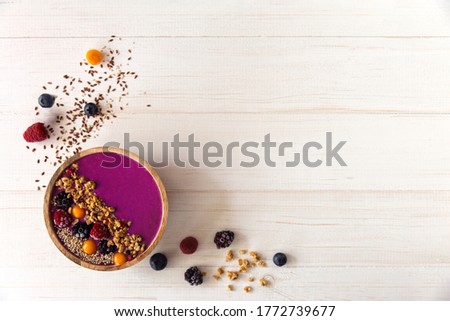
(375, 73)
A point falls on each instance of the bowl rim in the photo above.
(49, 222)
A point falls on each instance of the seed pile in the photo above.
(105, 84)
(74, 245)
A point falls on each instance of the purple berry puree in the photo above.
(129, 188)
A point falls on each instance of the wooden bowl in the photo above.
(123, 155)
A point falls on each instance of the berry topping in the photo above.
(35, 133)
(99, 231)
(158, 261)
(223, 239)
(189, 245)
(77, 212)
(61, 218)
(94, 56)
(46, 100)
(194, 276)
(91, 109)
(279, 259)
(106, 247)
(63, 200)
(81, 230)
(89, 247)
(120, 258)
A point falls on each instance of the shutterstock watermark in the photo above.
(185, 152)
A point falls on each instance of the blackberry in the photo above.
(106, 247)
(279, 259)
(194, 276)
(62, 201)
(158, 261)
(223, 239)
(81, 230)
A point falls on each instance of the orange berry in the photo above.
(89, 247)
(78, 212)
(120, 258)
(94, 57)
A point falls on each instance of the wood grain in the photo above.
(234, 18)
(372, 72)
(251, 76)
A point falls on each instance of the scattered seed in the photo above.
(74, 92)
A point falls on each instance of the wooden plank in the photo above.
(324, 18)
(140, 283)
(316, 229)
(263, 75)
(383, 152)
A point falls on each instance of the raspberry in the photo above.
(223, 239)
(194, 276)
(189, 245)
(99, 231)
(35, 133)
(61, 218)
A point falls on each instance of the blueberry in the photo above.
(46, 100)
(158, 261)
(280, 259)
(91, 109)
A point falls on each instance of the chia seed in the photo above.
(74, 245)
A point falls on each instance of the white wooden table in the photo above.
(375, 73)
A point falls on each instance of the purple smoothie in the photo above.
(128, 187)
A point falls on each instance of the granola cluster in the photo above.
(245, 265)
